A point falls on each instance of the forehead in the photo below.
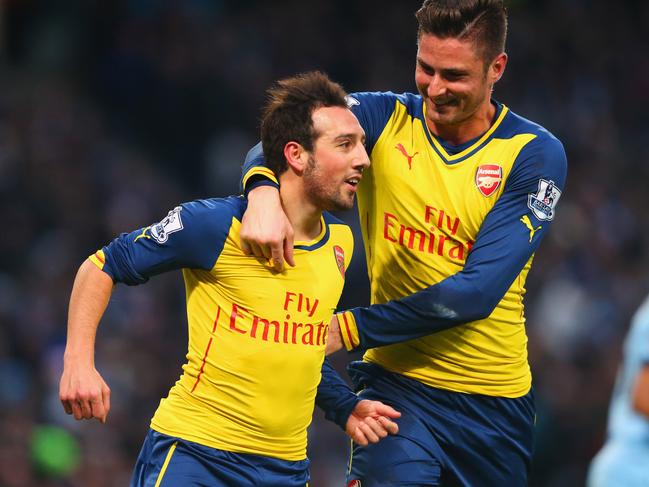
(333, 121)
(447, 52)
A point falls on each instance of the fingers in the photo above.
(358, 437)
(288, 248)
(277, 257)
(87, 405)
(372, 430)
(255, 249)
(106, 398)
(245, 246)
(385, 410)
(67, 407)
(390, 427)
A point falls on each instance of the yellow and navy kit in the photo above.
(256, 337)
(449, 233)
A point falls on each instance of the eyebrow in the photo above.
(351, 135)
(454, 71)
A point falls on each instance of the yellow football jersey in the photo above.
(465, 220)
(256, 337)
(449, 235)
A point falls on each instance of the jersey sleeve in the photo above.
(509, 235)
(373, 110)
(255, 173)
(192, 235)
(334, 396)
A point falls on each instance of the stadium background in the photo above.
(113, 112)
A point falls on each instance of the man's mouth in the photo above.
(445, 103)
(353, 182)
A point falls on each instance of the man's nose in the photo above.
(436, 87)
(361, 159)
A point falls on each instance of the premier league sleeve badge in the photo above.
(544, 201)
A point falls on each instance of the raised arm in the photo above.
(82, 390)
(265, 229)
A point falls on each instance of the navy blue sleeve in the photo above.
(334, 396)
(509, 235)
(190, 236)
(373, 110)
(254, 158)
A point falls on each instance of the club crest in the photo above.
(544, 201)
(339, 254)
(170, 224)
(354, 483)
(488, 178)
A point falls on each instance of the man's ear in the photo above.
(296, 157)
(497, 67)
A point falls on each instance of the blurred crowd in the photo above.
(111, 113)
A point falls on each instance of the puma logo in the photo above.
(408, 157)
(142, 235)
(526, 221)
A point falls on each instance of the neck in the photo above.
(305, 218)
(477, 124)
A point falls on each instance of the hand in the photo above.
(334, 340)
(370, 421)
(265, 229)
(84, 393)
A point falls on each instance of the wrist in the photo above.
(78, 357)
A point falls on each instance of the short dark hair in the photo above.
(482, 21)
(287, 114)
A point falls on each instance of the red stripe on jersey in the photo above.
(207, 350)
(99, 257)
(216, 321)
(349, 333)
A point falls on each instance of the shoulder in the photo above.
(385, 100)
(514, 124)
(542, 154)
(204, 218)
(205, 211)
(337, 227)
(330, 219)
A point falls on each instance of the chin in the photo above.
(341, 205)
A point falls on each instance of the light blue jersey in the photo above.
(624, 460)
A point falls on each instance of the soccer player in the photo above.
(623, 461)
(460, 193)
(239, 413)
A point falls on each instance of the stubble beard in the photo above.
(326, 198)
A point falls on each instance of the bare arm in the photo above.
(82, 390)
(640, 397)
(265, 229)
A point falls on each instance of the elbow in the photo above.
(482, 305)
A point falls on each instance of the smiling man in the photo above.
(239, 413)
(460, 193)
